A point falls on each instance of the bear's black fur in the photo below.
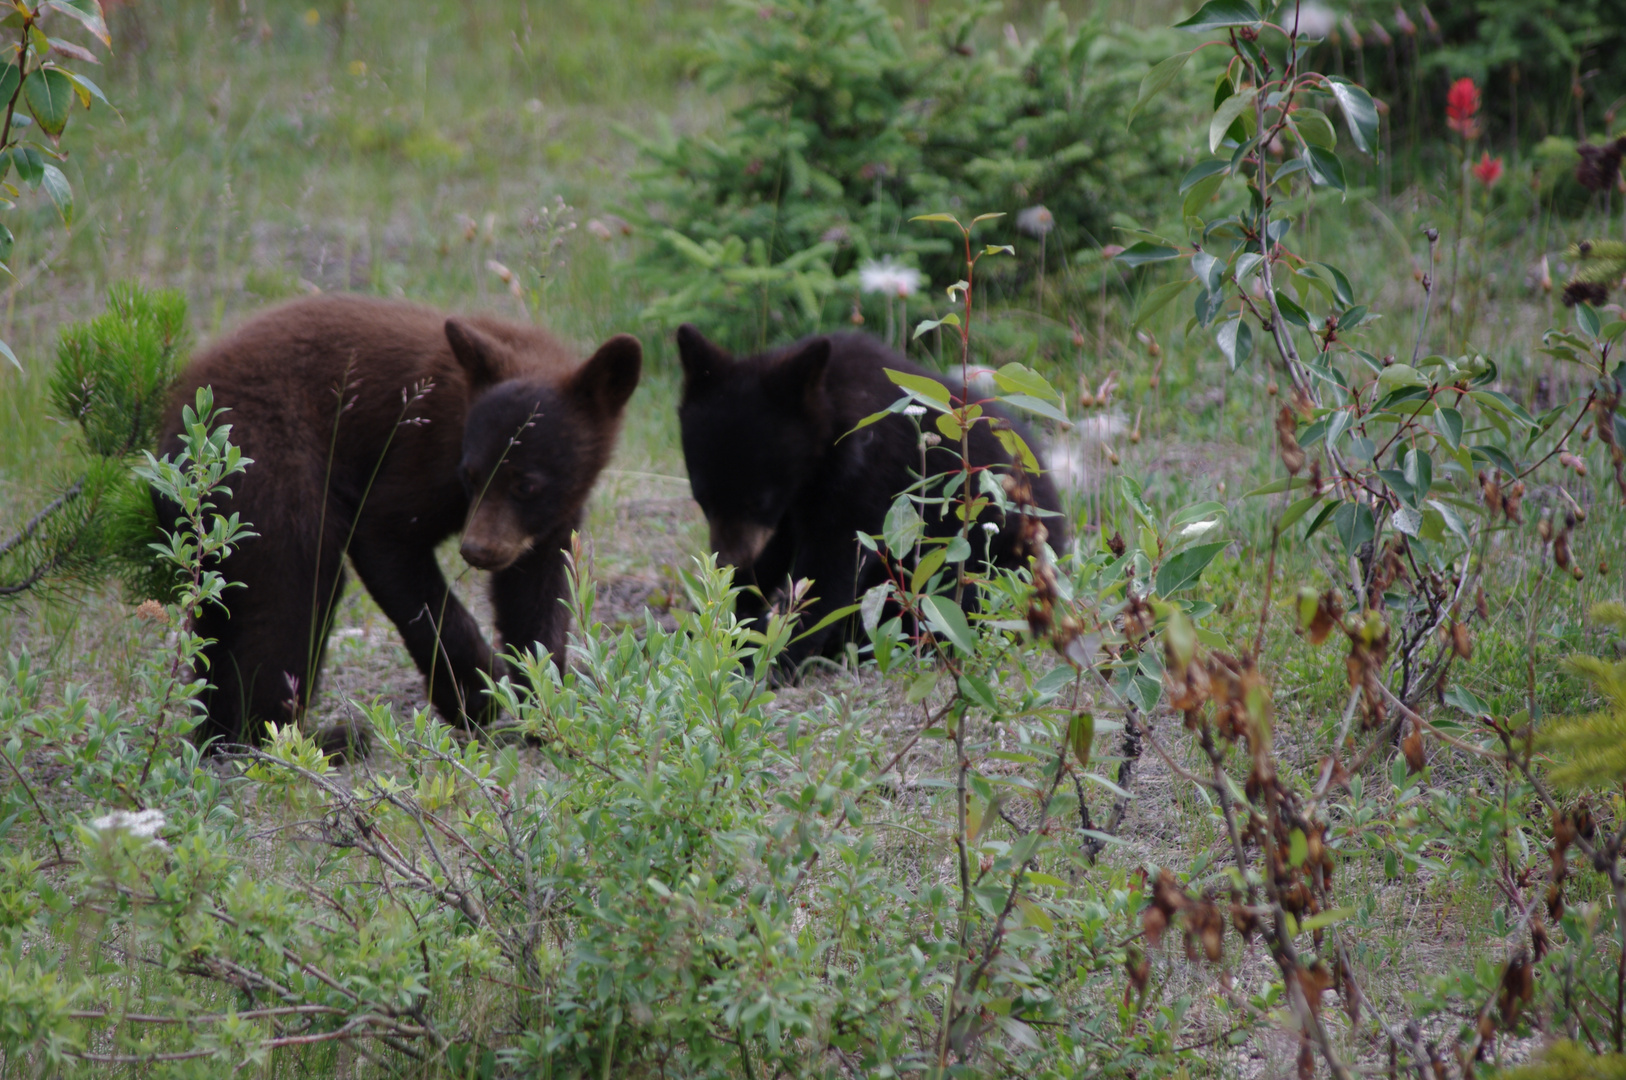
(378, 429)
(786, 488)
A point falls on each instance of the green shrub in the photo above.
(854, 123)
(112, 378)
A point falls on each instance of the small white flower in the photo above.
(1036, 220)
(143, 823)
(887, 276)
(990, 528)
(914, 410)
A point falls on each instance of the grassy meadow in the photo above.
(260, 150)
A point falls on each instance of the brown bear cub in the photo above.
(378, 429)
(786, 484)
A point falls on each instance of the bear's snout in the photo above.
(494, 539)
(482, 555)
(738, 543)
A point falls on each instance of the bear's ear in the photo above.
(798, 380)
(480, 354)
(610, 375)
(702, 361)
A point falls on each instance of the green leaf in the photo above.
(1226, 115)
(56, 186)
(6, 243)
(30, 166)
(1182, 570)
(1156, 81)
(979, 692)
(5, 350)
(1131, 491)
(946, 618)
(1292, 514)
(1314, 128)
(951, 319)
(1217, 14)
(50, 97)
(1452, 520)
(987, 217)
(1199, 196)
(1496, 457)
(1298, 847)
(930, 563)
(1448, 422)
(1321, 519)
(1235, 338)
(1324, 167)
(88, 13)
(1081, 736)
(923, 685)
(1354, 525)
(1019, 450)
(868, 420)
(1141, 252)
(1359, 112)
(1465, 700)
(1396, 376)
(927, 391)
(1587, 319)
(1499, 401)
(1035, 405)
(87, 89)
(1400, 485)
(936, 217)
(1341, 288)
(1419, 470)
(1157, 300)
(1020, 379)
(1284, 483)
(1204, 170)
(1291, 310)
(1322, 919)
(834, 616)
(9, 77)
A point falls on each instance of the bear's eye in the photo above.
(525, 487)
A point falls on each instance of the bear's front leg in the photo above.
(832, 565)
(769, 573)
(529, 598)
(443, 638)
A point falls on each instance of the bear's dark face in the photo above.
(754, 431)
(532, 450)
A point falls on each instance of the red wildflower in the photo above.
(1489, 169)
(1462, 108)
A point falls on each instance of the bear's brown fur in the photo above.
(374, 426)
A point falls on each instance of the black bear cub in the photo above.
(378, 429)
(786, 484)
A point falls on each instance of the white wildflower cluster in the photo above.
(1036, 220)
(889, 277)
(142, 823)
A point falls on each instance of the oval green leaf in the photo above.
(50, 97)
